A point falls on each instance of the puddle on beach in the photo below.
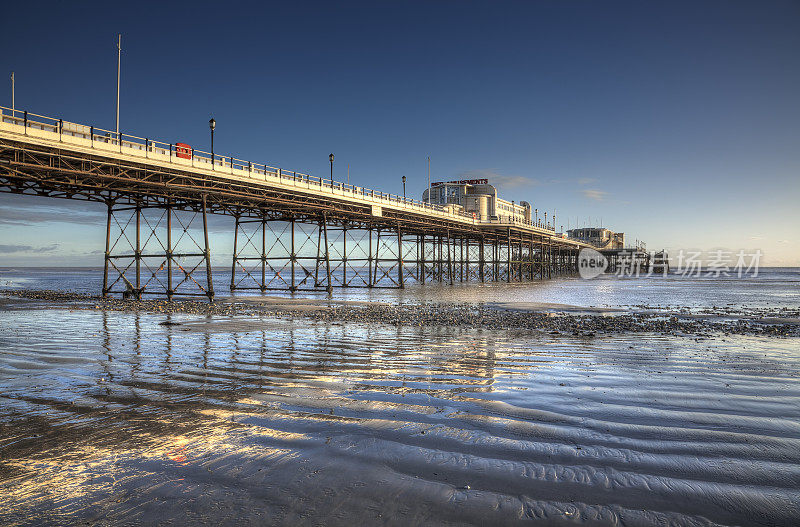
(114, 418)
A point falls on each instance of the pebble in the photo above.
(444, 314)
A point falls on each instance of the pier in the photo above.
(292, 231)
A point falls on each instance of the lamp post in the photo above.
(404, 188)
(212, 124)
(330, 158)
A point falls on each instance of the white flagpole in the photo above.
(119, 63)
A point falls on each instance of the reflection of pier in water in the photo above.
(237, 364)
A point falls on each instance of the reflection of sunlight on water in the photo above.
(69, 483)
(604, 289)
(111, 415)
(773, 288)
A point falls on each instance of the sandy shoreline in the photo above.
(274, 411)
(543, 317)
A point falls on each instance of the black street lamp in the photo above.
(212, 124)
(404, 188)
(330, 158)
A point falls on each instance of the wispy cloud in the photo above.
(29, 215)
(586, 180)
(35, 210)
(594, 194)
(9, 249)
(499, 180)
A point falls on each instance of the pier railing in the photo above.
(183, 155)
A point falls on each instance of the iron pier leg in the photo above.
(481, 260)
(327, 253)
(541, 258)
(169, 251)
(466, 261)
(496, 259)
(416, 264)
(369, 258)
(207, 253)
(344, 255)
(293, 258)
(439, 259)
(319, 249)
(108, 251)
(422, 260)
(532, 256)
(375, 277)
(493, 258)
(400, 257)
(138, 292)
(263, 255)
(461, 260)
(235, 249)
(508, 256)
(449, 258)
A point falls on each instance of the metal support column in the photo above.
(369, 260)
(481, 260)
(108, 251)
(449, 258)
(541, 258)
(508, 256)
(293, 257)
(210, 290)
(461, 260)
(493, 258)
(235, 249)
(440, 260)
(467, 261)
(344, 254)
(327, 253)
(376, 279)
(400, 273)
(422, 260)
(169, 251)
(264, 254)
(138, 254)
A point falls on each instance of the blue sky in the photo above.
(676, 122)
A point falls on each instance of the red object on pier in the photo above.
(183, 150)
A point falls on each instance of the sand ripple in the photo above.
(115, 419)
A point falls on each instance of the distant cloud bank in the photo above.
(499, 180)
(10, 249)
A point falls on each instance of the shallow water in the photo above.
(112, 418)
(772, 288)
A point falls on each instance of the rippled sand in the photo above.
(112, 418)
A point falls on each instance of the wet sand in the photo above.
(131, 415)
(541, 317)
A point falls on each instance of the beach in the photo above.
(281, 410)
